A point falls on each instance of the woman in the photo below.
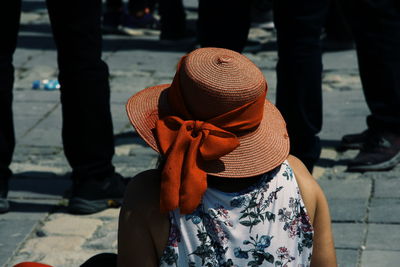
(227, 193)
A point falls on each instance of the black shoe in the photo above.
(380, 152)
(4, 205)
(91, 196)
(353, 141)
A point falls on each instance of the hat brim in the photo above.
(259, 152)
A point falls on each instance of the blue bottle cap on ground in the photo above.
(36, 84)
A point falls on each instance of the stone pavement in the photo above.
(365, 207)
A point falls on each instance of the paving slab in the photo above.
(376, 258)
(344, 113)
(27, 115)
(29, 97)
(346, 189)
(348, 235)
(47, 60)
(23, 55)
(383, 237)
(120, 98)
(47, 131)
(387, 188)
(340, 60)
(120, 119)
(385, 210)
(348, 210)
(347, 257)
(132, 84)
(143, 60)
(13, 233)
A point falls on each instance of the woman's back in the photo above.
(265, 224)
(214, 120)
(145, 237)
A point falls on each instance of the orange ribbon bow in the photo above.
(186, 143)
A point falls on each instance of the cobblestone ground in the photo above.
(365, 207)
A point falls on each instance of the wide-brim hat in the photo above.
(214, 81)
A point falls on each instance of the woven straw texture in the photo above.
(214, 81)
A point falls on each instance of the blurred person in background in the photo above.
(137, 14)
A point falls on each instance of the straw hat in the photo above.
(214, 81)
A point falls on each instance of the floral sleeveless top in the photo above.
(264, 225)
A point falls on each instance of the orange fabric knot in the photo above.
(185, 143)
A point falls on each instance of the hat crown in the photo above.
(216, 80)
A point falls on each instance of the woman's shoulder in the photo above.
(140, 219)
(318, 210)
(143, 191)
(309, 189)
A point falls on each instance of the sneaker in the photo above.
(353, 141)
(4, 205)
(380, 152)
(92, 196)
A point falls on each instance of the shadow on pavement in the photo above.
(129, 138)
(119, 43)
(328, 143)
(29, 6)
(37, 185)
(28, 206)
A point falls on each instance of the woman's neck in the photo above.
(230, 185)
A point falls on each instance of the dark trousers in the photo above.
(299, 73)
(87, 129)
(376, 29)
(336, 26)
(224, 23)
(172, 18)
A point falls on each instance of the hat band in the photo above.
(186, 143)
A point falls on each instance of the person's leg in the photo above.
(376, 28)
(114, 5)
(85, 94)
(224, 23)
(336, 26)
(172, 19)
(112, 17)
(299, 73)
(9, 23)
